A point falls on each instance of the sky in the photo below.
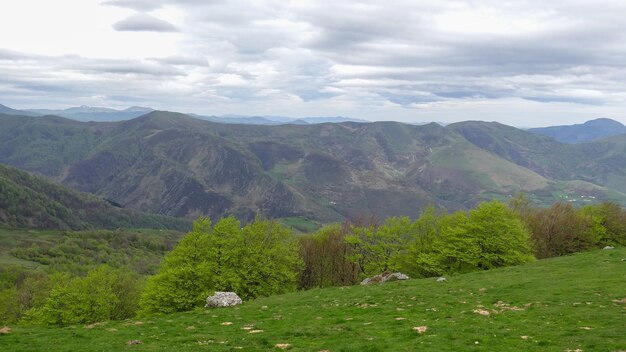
(523, 63)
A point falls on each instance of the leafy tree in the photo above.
(375, 249)
(609, 223)
(440, 246)
(501, 237)
(490, 236)
(185, 277)
(257, 260)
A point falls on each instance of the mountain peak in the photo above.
(604, 122)
(590, 130)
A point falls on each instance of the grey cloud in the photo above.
(361, 54)
(564, 99)
(149, 5)
(142, 22)
(139, 5)
(183, 61)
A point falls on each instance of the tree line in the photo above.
(264, 258)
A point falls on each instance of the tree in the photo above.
(185, 278)
(440, 246)
(501, 237)
(561, 229)
(490, 236)
(325, 255)
(609, 221)
(257, 260)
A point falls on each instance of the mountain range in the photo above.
(101, 114)
(174, 164)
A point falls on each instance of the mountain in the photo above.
(29, 201)
(177, 165)
(590, 130)
(102, 114)
(7, 110)
(238, 120)
(89, 113)
(274, 120)
(336, 119)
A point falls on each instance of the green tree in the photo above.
(186, 276)
(440, 246)
(257, 260)
(500, 235)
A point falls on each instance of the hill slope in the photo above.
(29, 201)
(176, 165)
(567, 303)
(590, 130)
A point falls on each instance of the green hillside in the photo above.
(568, 303)
(29, 201)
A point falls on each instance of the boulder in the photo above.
(384, 277)
(223, 299)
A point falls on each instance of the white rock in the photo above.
(384, 278)
(223, 299)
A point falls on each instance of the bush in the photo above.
(103, 294)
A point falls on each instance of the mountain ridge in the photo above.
(581, 133)
(30, 201)
(177, 165)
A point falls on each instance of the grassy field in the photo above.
(575, 303)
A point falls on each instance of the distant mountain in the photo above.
(7, 110)
(102, 114)
(336, 119)
(89, 113)
(177, 165)
(238, 120)
(590, 130)
(33, 202)
(274, 120)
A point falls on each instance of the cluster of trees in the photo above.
(62, 299)
(437, 243)
(563, 229)
(264, 258)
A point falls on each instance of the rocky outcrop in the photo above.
(222, 299)
(384, 277)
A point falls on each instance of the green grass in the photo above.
(564, 303)
(300, 224)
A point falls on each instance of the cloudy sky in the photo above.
(524, 63)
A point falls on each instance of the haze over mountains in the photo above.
(89, 113)
(174, 164)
